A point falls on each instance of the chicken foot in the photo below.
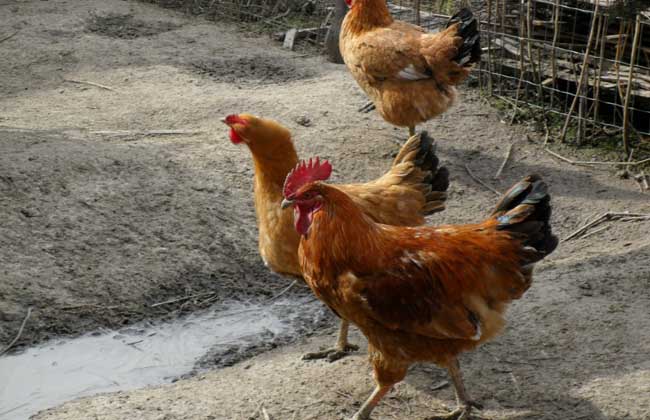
(465, 404)
(342, 348)
(371, 402)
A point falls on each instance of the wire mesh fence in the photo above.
(584, 65)
(581, 66)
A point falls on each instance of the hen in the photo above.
(414, 187)
(408, 74)
(419, 294)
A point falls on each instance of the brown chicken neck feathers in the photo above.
(365, 15)
(423, 293)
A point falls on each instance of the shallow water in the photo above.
(145, 354)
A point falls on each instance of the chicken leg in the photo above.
(342, 349)
(465, 404)
(371, 402)
(411, 131)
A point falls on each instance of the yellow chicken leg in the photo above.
(465, 404)
(371, 402)
(342, 349)
(411, 131)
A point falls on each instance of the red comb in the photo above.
(304, 173)
(235, 119)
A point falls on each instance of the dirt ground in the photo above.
(97, 227)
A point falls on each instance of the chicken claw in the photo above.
(465, 403)
(342, 349)
(333, 354)
(460, 413)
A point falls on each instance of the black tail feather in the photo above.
(470, 51)
(427, 160)
(525, 209)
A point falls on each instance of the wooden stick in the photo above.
(85, 82)
(600, 66)
(20, 332)
(505, 161)
(439, 385)
(489, 43)
(120, 133)
(9, 36)
(522, 35)
(471, 174)
(556, 31)
(182, 298)
(582, 74)
(585, 227)
(609, 216)
(586, 235)
(584, 162)
(626, 106)
(265, 414)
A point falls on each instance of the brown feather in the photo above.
(407, 73)
(402, 196)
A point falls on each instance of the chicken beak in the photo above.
(286, 203)
(223, 120)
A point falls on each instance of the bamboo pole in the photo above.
(626, 105)
(522, 36)
(489, 45)
(556, 32)
(600, 66)
(583, 71)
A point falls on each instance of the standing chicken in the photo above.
(414, 187)
(419, 294)
(408, 74)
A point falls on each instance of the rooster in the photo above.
(419, 294)
(408, 74)
(413, 188)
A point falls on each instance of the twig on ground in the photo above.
(514, 381)
(126, 133)
(85, 82)
(584, 162)
(9, 36)
(505, 161)
(182, 298)
(88, 305)
(257, 410)
(593, 232)
(471, 174)
(269, 300)
(265, 414)
(440, 385)
(605, 217)
(20, 332)
(642, 180)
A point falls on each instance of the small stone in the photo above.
(304, 121)
(28, 213)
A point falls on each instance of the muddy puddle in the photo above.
(148, 354)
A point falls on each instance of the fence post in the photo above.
(332, 36)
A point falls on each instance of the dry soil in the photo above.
(96, 227)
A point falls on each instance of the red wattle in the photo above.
(302, 220)
(234, 137)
